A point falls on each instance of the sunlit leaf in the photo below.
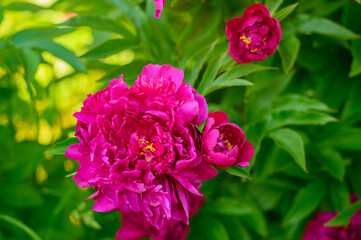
(23, 6)
(31, 60)
(110, 47)
(238, 172)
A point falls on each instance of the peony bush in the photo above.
(180, 119)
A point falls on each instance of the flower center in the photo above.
(223, 144)
(146, 149)
(254, 38)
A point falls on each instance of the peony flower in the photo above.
(316, 231)
(224, 144)
(139, 146)
(354, 227)
(254, 36)
(159, 4)
(135, 226)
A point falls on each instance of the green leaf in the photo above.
(195, 64)
(291, 142)
(213, 229)
(238, 172)
(285, 118)
(236, 229)
(61, 52)
(343, 217)
(230, 83)
(20, 195)
(288, 50)
(273, 5)
(332, 161)
(211, 71)
(305, 202)
(99, 23)
(23, 6)
(109, 48)
(20, 225)
(226, 206)
(325, 27)
(298, 102)
(339, 195)
(28, 37)
(31, 61)
(240, 70)
(356, 58)
(284, 12)
(136, 14)
(60, 147)
(345, 138)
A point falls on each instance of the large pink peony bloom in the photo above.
(224, 144)
(139, 147)
(254, 36)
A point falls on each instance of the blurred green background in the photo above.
(301, 108)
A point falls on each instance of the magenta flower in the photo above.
(254, 36)
(316, 231)
(135, 226)
(224, 144)
(354, 227)
(159, 4)
(139, 147)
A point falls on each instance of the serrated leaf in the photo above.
(109, 48)
(284, 12)
(305, 202)
(325, 27)
(291, 142)
(31, 61)
(332, 161)
(61, 52)
(298, 102)
(356, 58)
(99, 23)
(238, 172)
(27, 37)
(288, 50)
(226, 206)
(230, 83)
(343, 217)
(60, 147)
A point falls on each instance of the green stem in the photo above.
(20, 225)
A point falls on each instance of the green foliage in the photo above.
(299, 107)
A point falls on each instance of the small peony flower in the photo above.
(254, 36)
(316, 231)
(139, 146)
(224, 144)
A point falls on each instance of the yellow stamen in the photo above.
(254, 50)
(228, 145)
(149, 148)
(247, 41)
(148, 159)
